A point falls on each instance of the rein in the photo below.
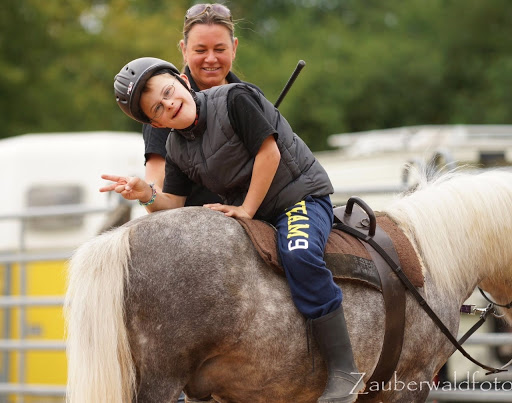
(368, 238)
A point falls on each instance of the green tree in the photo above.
(370, 64)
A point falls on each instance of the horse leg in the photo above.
(156, 388)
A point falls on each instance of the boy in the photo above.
(234, 142)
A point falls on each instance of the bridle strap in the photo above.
(508, 306)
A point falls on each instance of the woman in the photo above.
(209, 49)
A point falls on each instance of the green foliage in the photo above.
(369, 64)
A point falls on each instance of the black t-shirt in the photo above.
(155, 140)
(248, 119)
(249, 123)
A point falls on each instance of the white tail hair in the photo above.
(100, 365)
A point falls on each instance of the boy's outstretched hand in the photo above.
(130, 187)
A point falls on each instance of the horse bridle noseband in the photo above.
(508, 306)
(371, 224)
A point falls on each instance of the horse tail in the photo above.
(100, 365)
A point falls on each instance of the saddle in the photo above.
(345, 256)
(350, 257)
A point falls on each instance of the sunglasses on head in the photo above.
(199, 9)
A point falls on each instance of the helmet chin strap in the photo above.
(194, 97)
(196, 100)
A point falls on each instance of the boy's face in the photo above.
(167, 103)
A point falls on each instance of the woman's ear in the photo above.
(183, 51)
(235, 45)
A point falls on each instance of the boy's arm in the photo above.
(263, 172)
(265, 166)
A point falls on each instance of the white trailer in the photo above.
(56, 170)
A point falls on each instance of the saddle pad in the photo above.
(345, 255)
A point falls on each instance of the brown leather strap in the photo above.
(393, 293)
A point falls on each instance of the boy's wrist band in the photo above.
(153, 196)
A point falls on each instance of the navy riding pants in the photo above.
(302, 232)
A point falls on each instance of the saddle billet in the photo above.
(393, 290)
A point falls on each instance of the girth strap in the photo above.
(403, 278)
(393, 293)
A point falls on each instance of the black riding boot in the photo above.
(331, 334)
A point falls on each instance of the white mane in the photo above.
(461, 225)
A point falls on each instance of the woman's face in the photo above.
(167, 103)
(209, 54)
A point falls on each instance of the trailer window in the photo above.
(52, 195)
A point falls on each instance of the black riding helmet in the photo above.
(130, 82)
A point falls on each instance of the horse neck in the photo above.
(459, 231)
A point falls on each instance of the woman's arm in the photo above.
(134, 188)
(155, 170)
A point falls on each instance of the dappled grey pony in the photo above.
(180, 300)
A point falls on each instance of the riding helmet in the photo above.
(130, 82)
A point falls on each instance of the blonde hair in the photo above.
(208, 17)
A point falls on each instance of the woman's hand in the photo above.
(230, 211)
(130, 187)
